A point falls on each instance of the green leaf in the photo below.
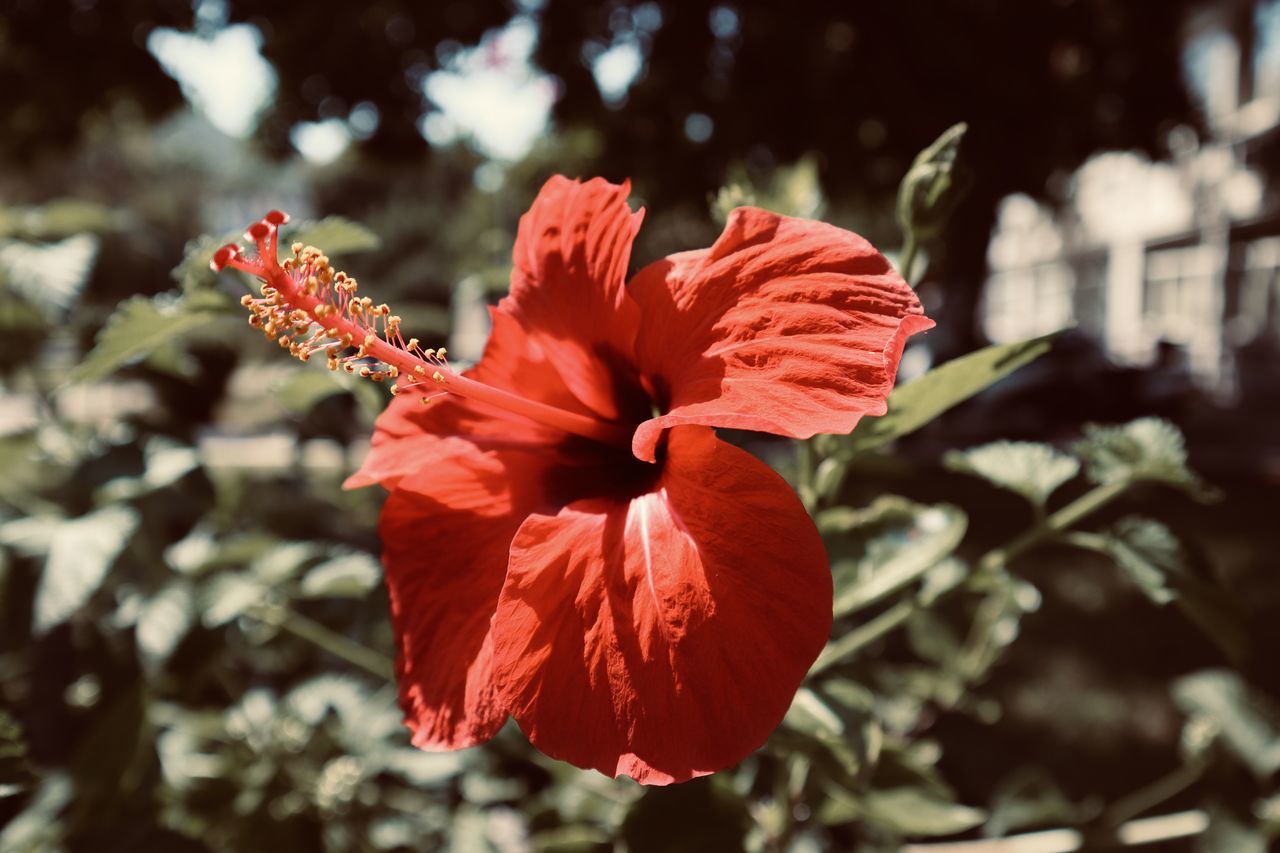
(792, 190)
(835, 721)
(1248, 723)
(1144, 449)
(886, 547)
(49, 276)
(81, 552)
(349, 576)
(141, 324)
(1030, 469)
(920, 401)
(334, 235)
(918, 811)
(1148, 553)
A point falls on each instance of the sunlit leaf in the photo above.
(142, 324)
(1027, 468)
(349, 576)
(886, 547)
(1249, 724)
(918, 811)
(81, 552)
(918, 402)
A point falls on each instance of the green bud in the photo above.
(933, 186)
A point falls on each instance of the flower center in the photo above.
(308, 307)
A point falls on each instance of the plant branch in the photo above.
(1069, 515)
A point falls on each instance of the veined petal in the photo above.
(568, 286)
(784, 325)
(446, 533)
(664, 637)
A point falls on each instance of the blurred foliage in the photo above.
(194, 645)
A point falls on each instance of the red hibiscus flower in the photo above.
(566, 540)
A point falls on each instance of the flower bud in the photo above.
(933, 186)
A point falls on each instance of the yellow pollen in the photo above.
(438, 376)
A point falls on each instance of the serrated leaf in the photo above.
(81, 552)
(1248, 723)
(1143, 449)
(348, 576)
(920, 401)
(1148, 552)
(1030, 469)
(49, 276)
(334, 235)
(918, 811)
(142, 324)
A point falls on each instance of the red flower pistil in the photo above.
(567, 541)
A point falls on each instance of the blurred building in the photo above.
(1170, 265)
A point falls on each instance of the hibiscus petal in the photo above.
(784, 325)
(408, 435)
(568, 285)
(446, 533)
(664, 637)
